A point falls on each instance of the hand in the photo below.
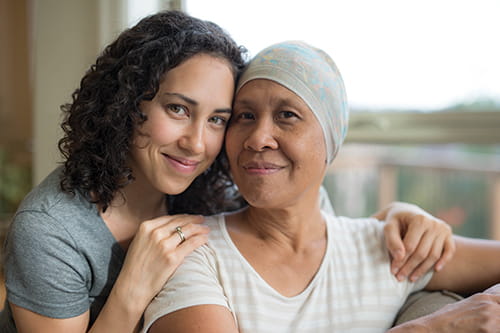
(477, 313)
(416, 240)
(155, 253)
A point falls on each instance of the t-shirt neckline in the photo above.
(317, 276)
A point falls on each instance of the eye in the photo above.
(178, 109)
(287, 115)
(245, 116)
(218, 120)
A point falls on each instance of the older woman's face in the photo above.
(185, 125)
(275, 146)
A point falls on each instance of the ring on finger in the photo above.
(180, 233)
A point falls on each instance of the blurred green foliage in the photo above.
(457, 194)
(460, 198)
(15, 182)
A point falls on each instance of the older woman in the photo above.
(93, 243)
(282, 264)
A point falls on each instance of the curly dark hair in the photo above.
(99, 123)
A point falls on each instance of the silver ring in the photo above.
(181, 234)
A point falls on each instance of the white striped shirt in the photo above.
(353, 290)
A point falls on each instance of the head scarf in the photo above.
(313, 76)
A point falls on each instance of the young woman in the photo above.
(92, 244)
(284, 265)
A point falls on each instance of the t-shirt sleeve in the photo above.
(44, 271)
(195, 282)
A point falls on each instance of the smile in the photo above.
(180, 164)
(261, 168)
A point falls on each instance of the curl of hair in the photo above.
(99, 123)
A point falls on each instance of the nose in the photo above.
(261, 136)
(193, 139)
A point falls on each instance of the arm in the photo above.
(196, 319)
(152, 257)
(478, 313)
(416, 240)
(194, 299)
(473, 268)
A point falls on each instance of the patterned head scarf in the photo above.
(313, 76)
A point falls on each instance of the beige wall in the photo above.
(61, 40)
(67, 37)
(15, 89)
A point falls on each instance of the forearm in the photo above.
(121, 313)
(478, 313)
(461, 273)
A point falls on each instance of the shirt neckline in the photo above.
(221, 221)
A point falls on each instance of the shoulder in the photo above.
(47, 197)
(355, 227)
(196, 281)
(47, 209)
(51, 226)
(358, 238)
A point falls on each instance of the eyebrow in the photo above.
(193, 102)
(183, 97)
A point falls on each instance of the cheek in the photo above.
(321, 147)
(309, 150)
(232, 144)
(214, 144)
(161, 133)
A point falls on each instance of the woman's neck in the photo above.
(130, 207)
(294, 226)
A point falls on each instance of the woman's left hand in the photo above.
(417, 241)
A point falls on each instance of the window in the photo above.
(422, 79)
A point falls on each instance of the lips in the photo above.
(181, 164)
(261, 167)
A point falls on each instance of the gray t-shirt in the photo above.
(60, 257)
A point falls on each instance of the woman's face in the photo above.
(185, 125)
(275, 146)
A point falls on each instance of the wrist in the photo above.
(126, 297)
(119, 314)
(413, 326)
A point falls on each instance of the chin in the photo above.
(259, 201)
(174, 189)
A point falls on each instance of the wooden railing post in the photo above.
(387, 187)
(495, 208)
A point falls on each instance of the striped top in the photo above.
(353, 290)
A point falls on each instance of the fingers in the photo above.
(423, 259)
(191, 244)
(160, 236)
(394, 244)
(448, 252)
(162, 226)
(180, 219)
(417, 247)
(381, 214)
(182, 234)
(428, 243)
(155, 253)
(431, 252)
